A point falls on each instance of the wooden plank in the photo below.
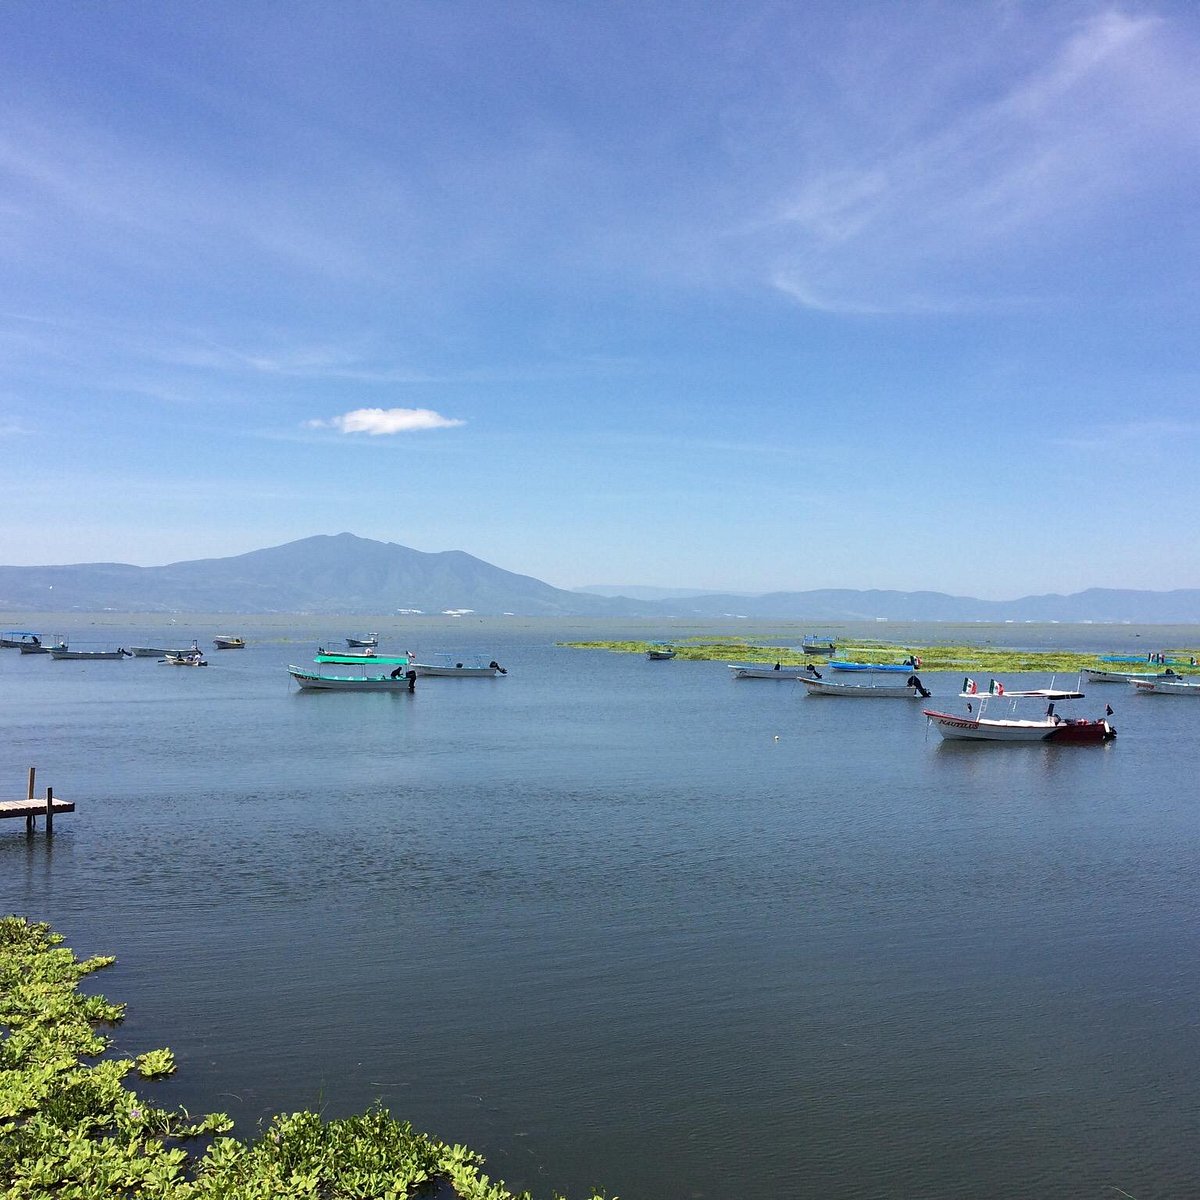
(26, 808)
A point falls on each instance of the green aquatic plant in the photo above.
(935, 657)
(75, 1129)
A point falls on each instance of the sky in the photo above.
(725, 295)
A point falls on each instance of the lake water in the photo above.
(633, 925)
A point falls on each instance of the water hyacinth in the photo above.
(73, 1128)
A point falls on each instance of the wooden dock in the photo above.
(31, 808)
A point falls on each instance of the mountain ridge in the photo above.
(344, 573)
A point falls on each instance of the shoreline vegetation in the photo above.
(74, 1128)
(959, 657)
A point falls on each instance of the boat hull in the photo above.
(837, 664)
(1162, 687)
(957, 728)
(861, 691)
(310, 681)
(792, 673)
(433, 670)
(1094, 675)
(87, 655)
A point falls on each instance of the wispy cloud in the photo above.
(906, 219)
(383, 421)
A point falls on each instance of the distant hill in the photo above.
(323, 574)
(347, 574)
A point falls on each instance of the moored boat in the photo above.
(911, 689)
(777, 672)
(14, 639)
(58, 642)
(402, 678)
(370, 641)
(227, 641)
(1100, 675)
(88, 655)
(841, 664)
(977, 725)
(163, 651)
(447, 668)
(815, 645)
(661, 652)
(1179, 686)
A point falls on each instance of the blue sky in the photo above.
(743, 295)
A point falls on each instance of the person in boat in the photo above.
(777, 667)
(37, 641)
(812, 670)
(397, 673)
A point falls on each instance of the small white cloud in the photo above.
(376, 421)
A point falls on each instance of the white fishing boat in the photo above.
(227, 641)
(57, 641)
(402, 677)
(446, 667)
(163, 651)
(13, 639)
(1179, 686)
(911, 689)
(1101, 675)
(818, 645)
(370, 641)
(184, 659)
(88, 655)
(978, 725)
(777, 672)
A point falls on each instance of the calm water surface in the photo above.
(634, 925)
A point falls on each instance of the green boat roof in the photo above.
(364, 660)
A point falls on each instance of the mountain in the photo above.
(323, 574)
(348, 574)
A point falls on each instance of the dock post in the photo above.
(49, 812)
(30, 826)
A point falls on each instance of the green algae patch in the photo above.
(74, 1128)
(960, 657)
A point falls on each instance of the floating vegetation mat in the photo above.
(75, 1128)
(933, 658)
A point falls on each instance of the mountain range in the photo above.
(343, 573)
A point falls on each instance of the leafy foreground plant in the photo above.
(75, 1130)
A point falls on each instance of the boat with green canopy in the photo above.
(371, 676)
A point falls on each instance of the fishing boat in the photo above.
(227, 641)
(911, 689)
(13, 639)
(839, 664)
(777, 672)
(57, 642)
(402, 678)
(163, 651)
(184, 659)
(661, 652)
(447, 668)
(815, 645)
(1099, 675)
(1179, 686)
(977, 725)
(370, 641)
(88, 655)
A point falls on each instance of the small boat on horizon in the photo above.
(817, 645)
(661, 652)
(58, 642)
(227, 641)
(370, 641)
(14, 639)
(162, 651)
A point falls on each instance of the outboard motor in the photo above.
(922, 690)
(497, 667)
